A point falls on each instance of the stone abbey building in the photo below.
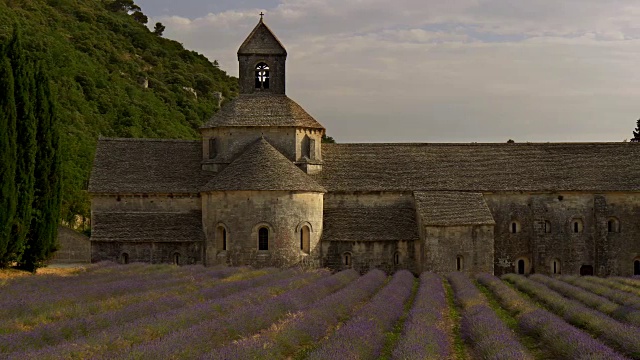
(261, 189)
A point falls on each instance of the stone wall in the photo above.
(247, 68)
(243, 213)
(388, 256)
(188, 253)
(467, 248)
(232, 141)
(74, 247)
(545, 232)
(146, 203)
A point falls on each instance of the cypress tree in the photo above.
(24, 89)
(8, 155)
(41, 241)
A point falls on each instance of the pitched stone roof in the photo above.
(261, 41)
(147, 166)
(481, 167)
(449, 208)
(147, 226)
(262, 167)
(262, 110)
(370, 223)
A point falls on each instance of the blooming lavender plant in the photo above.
(619, 283)
(559, 338)
(363, 336)
(481, 328)
(619, 296)
(199, 339)
(600, 303)
(425, 334)
(307, 326)
(125, 332)
(621, 337)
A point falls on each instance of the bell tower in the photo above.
(262, 62)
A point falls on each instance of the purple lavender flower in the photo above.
(363, 336)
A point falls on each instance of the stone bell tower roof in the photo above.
(262, 41)
(262, 168)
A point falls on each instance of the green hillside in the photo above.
(100, 59)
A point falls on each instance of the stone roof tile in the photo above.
(370, 223)
(481, 167)
(147, 166)
(262, 110)
(448, 208)
(262, 167)
(262, 41)
(147, 226)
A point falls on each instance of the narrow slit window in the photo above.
(396, 258)
(213, 148)
(459, 263)
(263, 239)
(305, 239)
(347, 259)
(547, 227)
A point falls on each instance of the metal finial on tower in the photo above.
(261, 15)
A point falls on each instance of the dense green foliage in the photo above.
(99, 58)
(7, 155)
(32, 168)
(24, 87)
(43, 230)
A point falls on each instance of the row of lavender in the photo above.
(144, 311)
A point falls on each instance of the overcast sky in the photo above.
(439, 71)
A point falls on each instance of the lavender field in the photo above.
(155, 312)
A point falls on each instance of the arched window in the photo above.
(262, 76)
(221, 238)
(263, 239)
(636, 267)
(346, 259)
(396, 258)
(124, 258)
(305, 241)
(613, 226)
(459, 263)
(555, 266)
(514, 227)
(547, 226)
(176, 259)
(521, 267)
(576, 225)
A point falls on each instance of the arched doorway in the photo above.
(176, 259)
(586, 270)
(521, 267)
(636, 267)
(124, 258)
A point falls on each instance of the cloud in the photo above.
(460, 70)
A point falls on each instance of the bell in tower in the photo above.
(262, 62)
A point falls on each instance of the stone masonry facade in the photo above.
(261, 189)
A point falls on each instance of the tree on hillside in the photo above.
(123, 5)
(636, 132)
(7, 157)
(44, 224)
(140, 17)
(159, 29)
(24, 90)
